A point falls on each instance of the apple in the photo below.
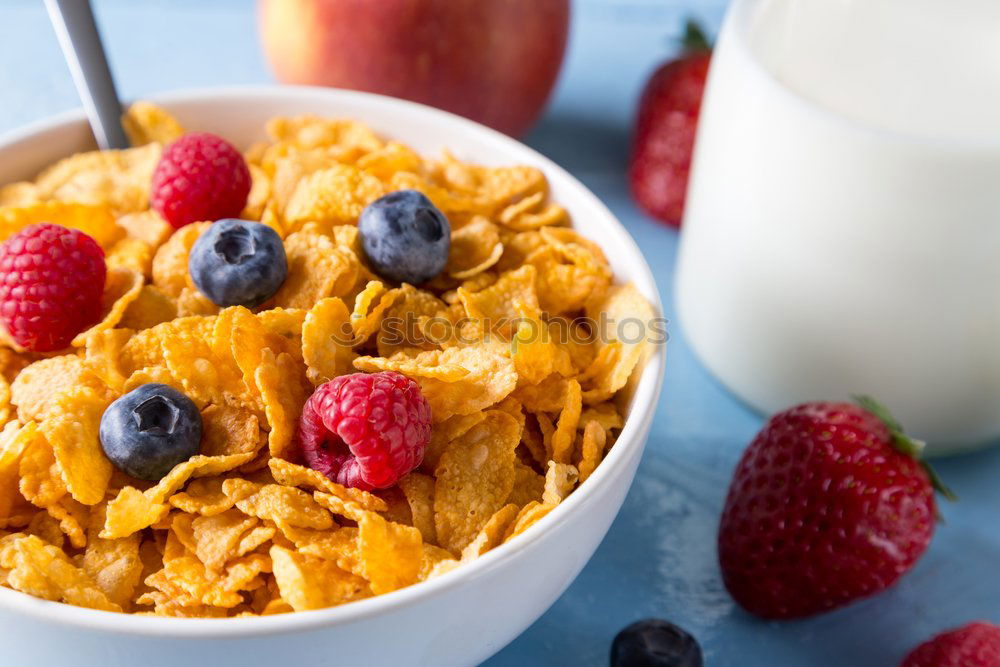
(494, 61)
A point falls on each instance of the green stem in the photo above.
(910, 446)
(695, 39)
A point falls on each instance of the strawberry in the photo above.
(665, 130)
(973, 645)
(829, 504)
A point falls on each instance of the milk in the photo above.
(842, 231)
(929, 68)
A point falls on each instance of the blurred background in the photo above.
(157, 45)
(659, 558)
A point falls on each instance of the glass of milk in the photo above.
(842, 231)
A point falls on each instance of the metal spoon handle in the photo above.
(80, 40)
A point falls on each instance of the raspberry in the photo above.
(200, 177)
(365, 430)
(51, 283)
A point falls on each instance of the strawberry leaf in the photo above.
(907, 445)
(694, 39)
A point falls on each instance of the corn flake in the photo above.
(565, 433)
(40, 385)
(455, 381)
(45, 571)
(419, 491)
(391, 553)
(217, 537)
(336, 195)
(283, 394)
(530, 514)
(118, 179)
(120, 290)
(498, 303)
(170, 264)
(132, 510)
(528, 485)
(291, 474)
(94, 220)
(316, 269)
(203, 496)
(41, 480)
(308, 582)
(475, 247)
(72, 518)
(114, 565)
(327, 341)
(72, 431)
(14, 440)
(280, 504)
(474, 478)
(560, 479)
(592, 445)
(147, 123)
(628, 311)
(229, 430)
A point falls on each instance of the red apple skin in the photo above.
(494, 61)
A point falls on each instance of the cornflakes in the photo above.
(283, 504)
(290, 474)
(121, 289)
(45, 571)
(14, 440)
(474, 478)
(170, 263)
(71, 430)
(95, 220)
(114, 565)
(133, 510)
(36, 389)
(336, 195)
(390, 553)
(316, 269)
(492, 532)
(475, 248)
(559, 481)
(203, 496)
(71, 517)
(41, 481)
(565, 433)
(592, 445)
(327, 341)
(309, 582)
(419, 491)
(487, 376)
(520, 345)
(217, 537)
(530, 514)
(119, 180)
(145, 123)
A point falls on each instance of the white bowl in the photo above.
(460, 618)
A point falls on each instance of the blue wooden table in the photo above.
(659, 558)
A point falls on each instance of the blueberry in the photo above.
(238, 263)
(149, 430)
(405, 237)
(655, 643)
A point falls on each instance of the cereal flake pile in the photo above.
(244, 527)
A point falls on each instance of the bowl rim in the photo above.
(644, 401)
